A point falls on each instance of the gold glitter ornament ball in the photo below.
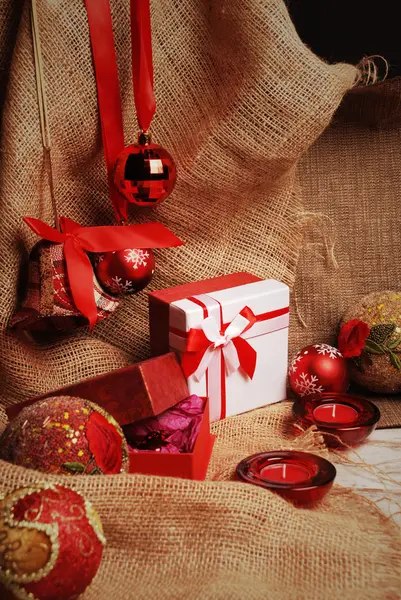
(378, 369)
(65, 435)
(51, 543)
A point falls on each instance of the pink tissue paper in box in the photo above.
(195, 438)
(231, 334)
(173, 431)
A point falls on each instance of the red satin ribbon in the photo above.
(108, 92)
(142, 64)
(104, 59)
(79, 240)
(198, 343)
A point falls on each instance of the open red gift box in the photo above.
(133, 393)
(188, 465)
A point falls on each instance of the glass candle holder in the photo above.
(344, 419)
(301, 477)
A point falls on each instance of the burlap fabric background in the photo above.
(352, 175)
(176, 539)
(240, 100)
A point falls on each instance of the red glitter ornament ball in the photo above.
(65, 435)
(51, 543)
(318, 368)
(125, 271)
(145, 173)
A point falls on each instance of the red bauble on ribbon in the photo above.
(145, 173)
(318, 368)
(125, 271)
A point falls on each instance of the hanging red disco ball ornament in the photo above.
(145, 173)
(125, 271)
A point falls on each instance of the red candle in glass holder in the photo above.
(335, 413)
(284, 473)
(343, 419)
(301, 477)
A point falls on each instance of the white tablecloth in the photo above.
(382, 450)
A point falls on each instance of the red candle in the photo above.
(301, 477)
(335, 413)
(285, 473)
(343, 419)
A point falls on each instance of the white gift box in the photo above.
(231, 335)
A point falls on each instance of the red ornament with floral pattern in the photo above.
(125, 271)
(65, 435)
(318, 368)
(51, 543)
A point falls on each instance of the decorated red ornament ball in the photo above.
(125, 271)
(65, 435)
(318, 368)
(145, 173)
(51, 543)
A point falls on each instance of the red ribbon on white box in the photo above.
(216, 350)
(210, 339)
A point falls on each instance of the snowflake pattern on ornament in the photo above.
(324, 349)
(308, 384)
(137, 257)
(116, 285)
(293, 365)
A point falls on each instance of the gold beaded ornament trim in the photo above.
(19, 592)
(94, 520)
(51, 530)
(12, 580)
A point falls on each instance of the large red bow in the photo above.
(79, 240)
(203, 343)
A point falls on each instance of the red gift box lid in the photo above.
(205, 286)
(160, 300)
(142, 390)
(190, 465)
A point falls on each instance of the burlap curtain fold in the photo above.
(240, 100)
(351, 178)
(10, 11)
(375, 106)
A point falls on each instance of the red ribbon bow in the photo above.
(78, 240)
(237, 351)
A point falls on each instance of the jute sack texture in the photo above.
(240, 99)
(177, 539)
(352, 177)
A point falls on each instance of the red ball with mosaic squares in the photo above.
(145, 173)
(65, 435)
